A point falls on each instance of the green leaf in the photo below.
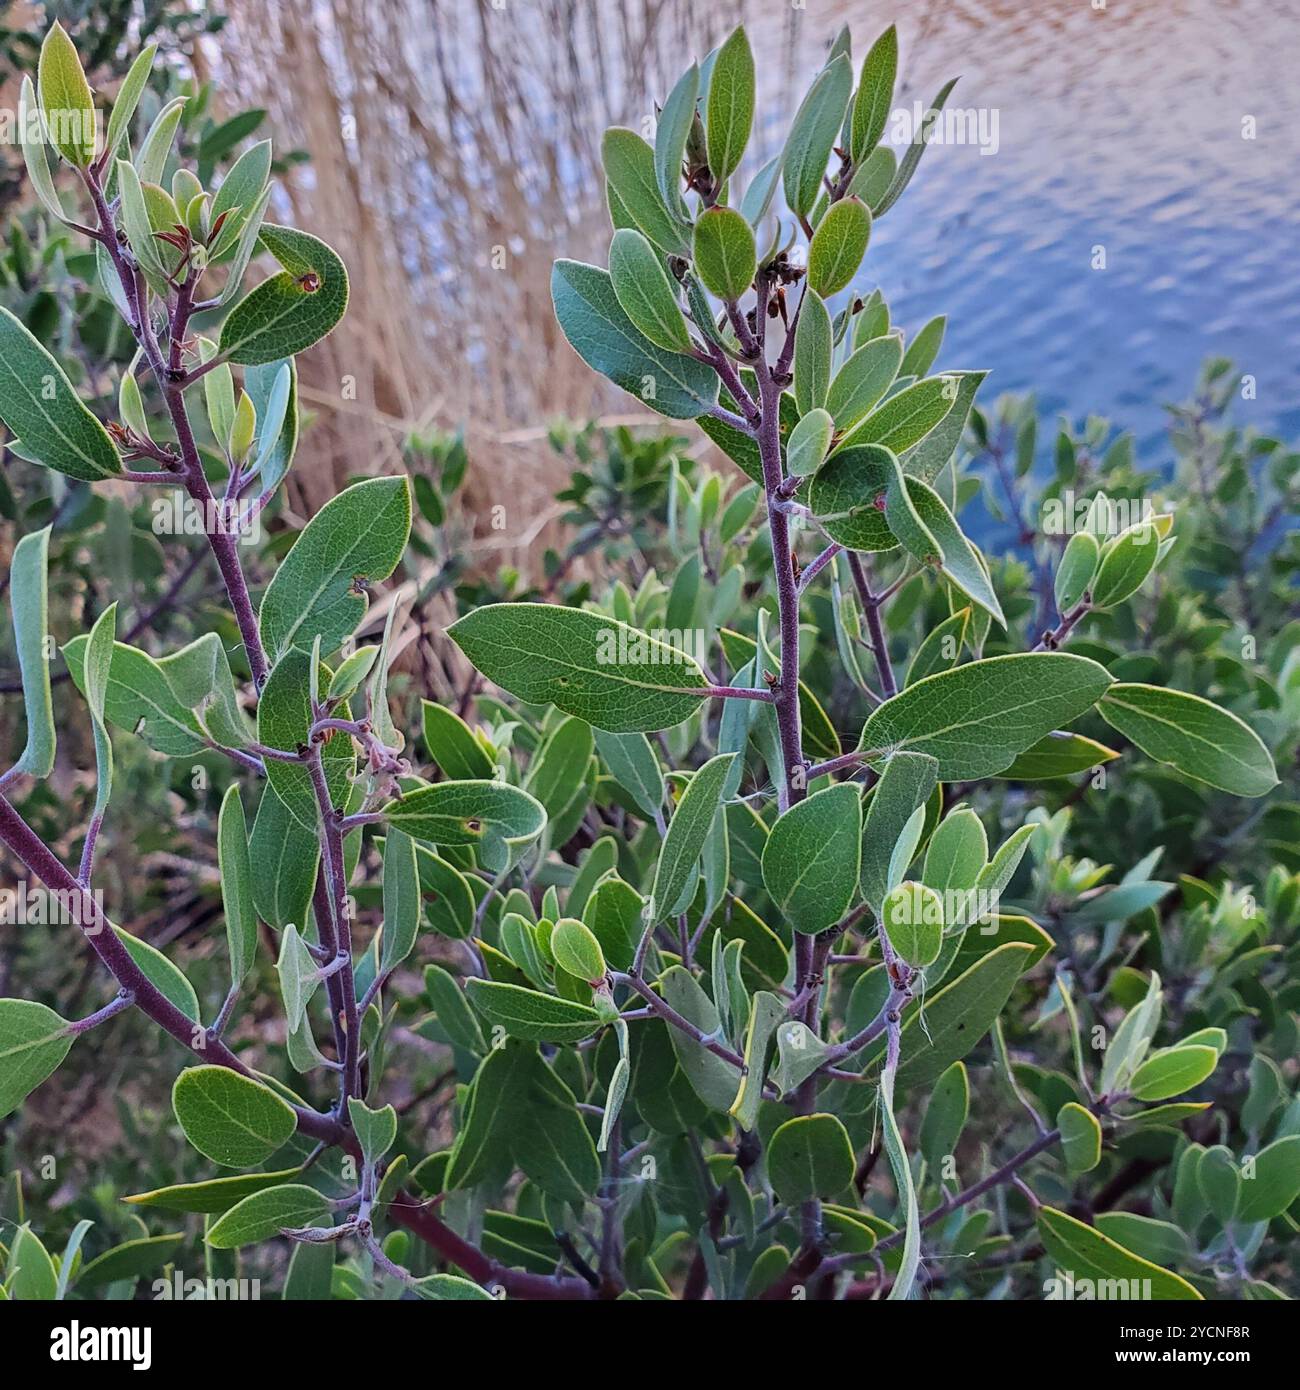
(684, 843)
(1270, 1180)
(809, 1156)
(864, 379)
(33, 1041)
(1161, 1242)
(758, 196)
(1203, 741)
(838, 246)
(284, 716)
(1173, 1071)
(266, 1214)
(1083, 1252)
(489, 1115)
(311, 1273)
(613, 912)
(906, 782)
(401, 901)
(875, 93)
(845, 494)
(1002, 867)
(346, 681)
(941, 649)
(671, 133)
(161, 973)
(98, 664)
(240, 192)
(912, 918)
(813, 133)
(711, 1077)
(630, 169)
(975, 718)
(1057, 754)
(449, 901)
(244, 248)
(928, 459)
(452, 745)
(962, 565)
(129, 1260)
(355, 540)
(28, 600)
(211, 1196)
(957, 853)
(1219, 1180)
(273, 389)
(498, 818)
(236, 884)
(376, 1130)
(799, 1053)
(31, 1276)
(42, 409)
(292, 310)
(644, 291)
(451, 1288)
(1076, 570)
(1132, 1039)
(31, 132)
(549, 1140)
(766, 1010)
(157, 143)
(915, 150)
(924, 348)
(454, 1014)
(958, 1016)
(632, 763)
(136, 222)
(127, 100)
(601, 333)
(231, 1119)
(614, 1098)
(559, 767)
(905, 419)
(577, 951)
(66, 102)
(726, 256)
(531, 1015)
(283, 857)
(812, 858)
(809, 443)
(813, 338)
(729, 110)
(910, 1260)
(1125, 563)
(1080, 1137)
(605, 672)
(945, 1117)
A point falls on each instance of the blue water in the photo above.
(1122, 129)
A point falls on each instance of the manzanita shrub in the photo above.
(697, 960)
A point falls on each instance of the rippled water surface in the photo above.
(1119, 129)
